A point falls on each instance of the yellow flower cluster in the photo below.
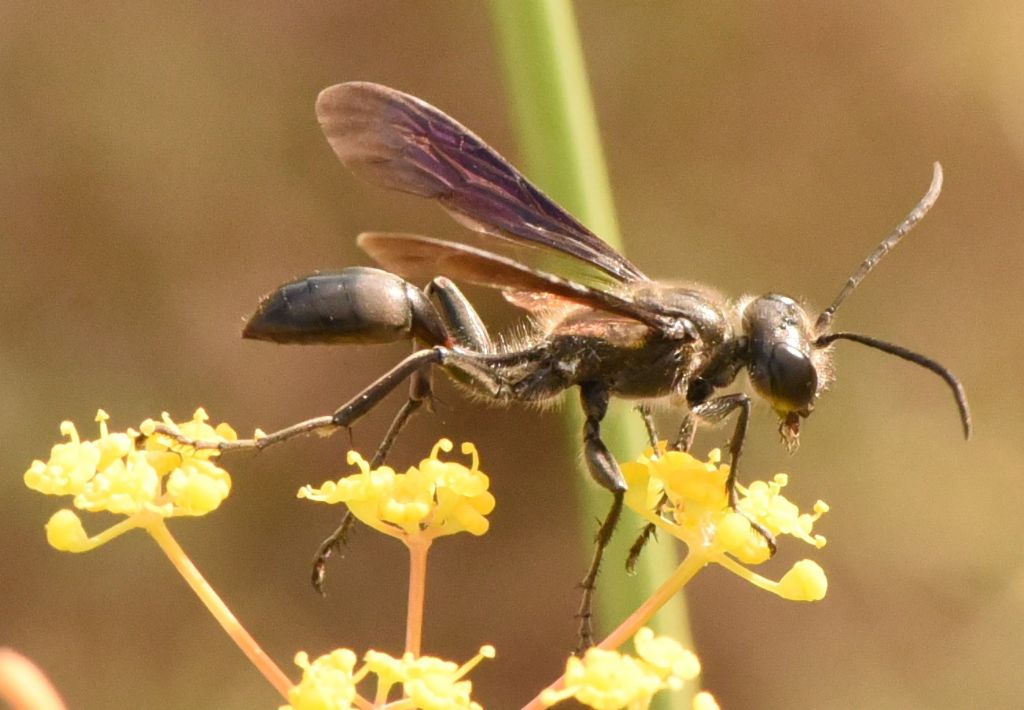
(328, 683)
(428, 683)
(433, 499)
(687, 498)
(141, 474)
(609, 680)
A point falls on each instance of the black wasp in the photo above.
(607, 329)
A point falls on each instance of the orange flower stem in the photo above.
(23, 686)
(661, 596)
(418, 547)
(628, 628)
(158, 530)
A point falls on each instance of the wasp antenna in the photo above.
(917, 359)
(915, 216)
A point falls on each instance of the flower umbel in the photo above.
(687, 498)
(139, 474)
(147, 476)
(610, 680)
(434, 499)
(429, 501)
(428, 683)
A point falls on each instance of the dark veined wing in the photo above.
(413, 256)
(405, 144)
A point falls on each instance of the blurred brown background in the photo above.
(161, 168)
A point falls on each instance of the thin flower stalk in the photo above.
(418, 549)
(216, 606)
(559, 148)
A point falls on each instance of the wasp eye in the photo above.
(793, 377)
(787, 378)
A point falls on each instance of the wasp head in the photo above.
(785, 365)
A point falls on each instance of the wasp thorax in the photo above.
(780, 338)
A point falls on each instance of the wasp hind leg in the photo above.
(466, 330)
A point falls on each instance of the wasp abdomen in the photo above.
(355, 305)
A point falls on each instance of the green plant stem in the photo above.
(561, 151)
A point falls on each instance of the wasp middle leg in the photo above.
(605, 471)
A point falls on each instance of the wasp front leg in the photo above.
(683, 442)
(647, 415)
(715, 410)
(687, 432)
(650, 529)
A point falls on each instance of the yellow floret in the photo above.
(327, 683)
